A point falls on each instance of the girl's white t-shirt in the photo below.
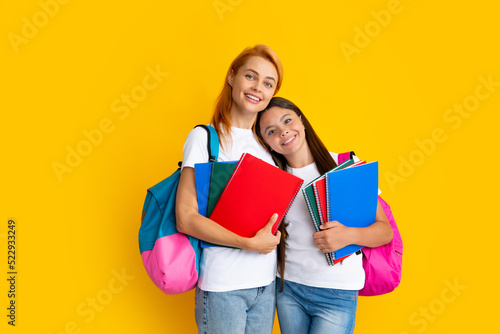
(222, 268)
(305, 263)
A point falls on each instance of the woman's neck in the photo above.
(241, 119)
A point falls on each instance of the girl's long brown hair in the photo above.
(322, 158)
(221, 117)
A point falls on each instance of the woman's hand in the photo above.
(333, 237)
(264, 242)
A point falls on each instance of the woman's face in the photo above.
(253, 85)
(283, 131)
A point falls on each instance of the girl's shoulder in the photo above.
(335, 156)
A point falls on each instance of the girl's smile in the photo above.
(289, 141)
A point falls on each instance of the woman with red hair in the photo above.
(236, 290)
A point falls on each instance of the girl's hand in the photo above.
(333, 237)
(264, 242)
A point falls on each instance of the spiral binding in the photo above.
(288, 208)
(328, 213)
(328, 256)
(318, 202)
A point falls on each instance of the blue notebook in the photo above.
(203, 174)
(352, 195)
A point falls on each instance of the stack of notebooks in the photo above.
(242, 195)
(347, 194)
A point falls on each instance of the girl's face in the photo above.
(283, 131)
(253, 85)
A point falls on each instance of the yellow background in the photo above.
(67, 76)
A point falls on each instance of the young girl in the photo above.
(236, 289)
(315, 297)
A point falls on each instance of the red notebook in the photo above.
(320, 196)
(253, 193)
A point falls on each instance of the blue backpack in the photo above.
(171, 258)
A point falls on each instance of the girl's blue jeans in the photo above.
(304, 309)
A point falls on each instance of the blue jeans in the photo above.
(306, 309)
(249, 311)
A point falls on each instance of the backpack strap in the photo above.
(345, 156)
(212, 142)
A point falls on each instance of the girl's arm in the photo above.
(189, 221)
(335, 235)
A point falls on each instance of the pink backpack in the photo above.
(382, 264)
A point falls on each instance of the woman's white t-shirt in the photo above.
(222, 268)
(305, 263)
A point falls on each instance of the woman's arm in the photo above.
(189, 221)
(335, 235)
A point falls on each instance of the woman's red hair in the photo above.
(221, 117)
